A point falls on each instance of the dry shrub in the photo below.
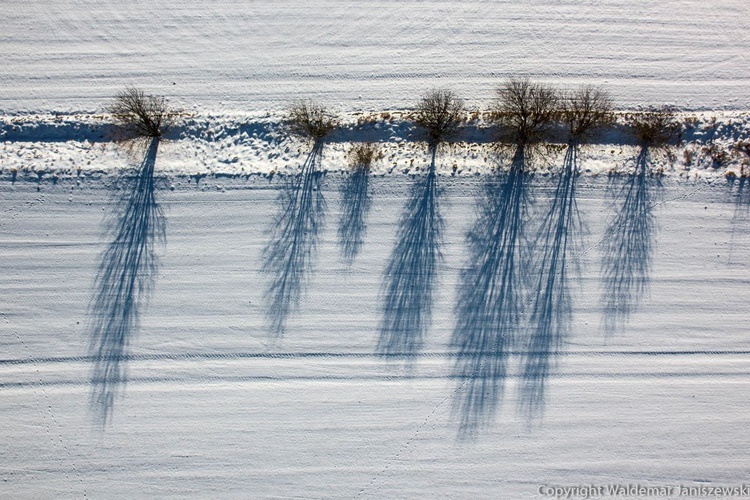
(310, 120)
(718, 155)
(525, 111)
(137, 115)
(688, 156)
(586, 110)
(742, 147)
(363, 155)
(441, 113)
(655, 127)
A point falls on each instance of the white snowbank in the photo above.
(45, 147)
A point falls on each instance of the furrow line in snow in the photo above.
(201, 379)
(366, 355)
(56, 438)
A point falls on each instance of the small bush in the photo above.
(655, 127)
(441, 113)
(310, 120)
(525, 111)
(363, 155)
(742, 147)
(688, 155)
(719, 156)
(138, 115)
(586, 110)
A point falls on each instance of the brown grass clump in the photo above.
(743, 147)
(363, 155)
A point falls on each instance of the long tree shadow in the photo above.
(355, 201)
(741, 214)
(124, 282)
(290, 252)
(628, 248)
(558, 245)
(490, 302)
(412, 269)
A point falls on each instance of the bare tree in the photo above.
(138, 115)
(525, 111)
(440, 113)
(586, 110)
(127, 272)
(310, 120)
(560, 238)
(654, 127)
(583, 112)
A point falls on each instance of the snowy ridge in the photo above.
(48, 147)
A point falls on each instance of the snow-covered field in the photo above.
(229, 328)
(214, 405)
(70, 55)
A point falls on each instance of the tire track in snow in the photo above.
(59, 440)
(16, 210)
(356, 355)
(203, 379)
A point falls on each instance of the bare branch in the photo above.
(440, 112)
(654, 127)
(138, 115)
(586, 110)
(310, 120)
(525, 111)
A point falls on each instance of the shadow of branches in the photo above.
(355, 201)
(490, 301)
(412, 269)
(294, 237)
(741, 213)
(558, 245)
(628, 247)
(124, 282)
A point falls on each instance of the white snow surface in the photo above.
(214, 406)
(267, 332)
(73, 55)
